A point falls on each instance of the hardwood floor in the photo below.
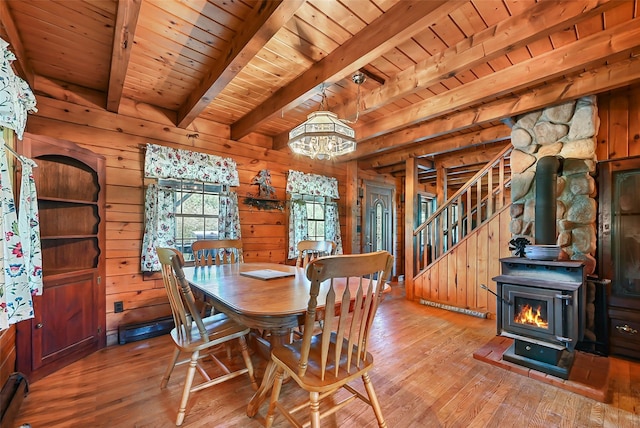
(425, 376)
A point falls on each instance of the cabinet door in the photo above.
(620, 231)
(619, 252)
(71, 330)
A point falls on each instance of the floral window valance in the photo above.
(166, 162)
(312, 184)
(16, 98)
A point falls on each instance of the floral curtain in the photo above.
(29, 226)
(315, 185)
(20, 259)
(297, 226)
(159, 226)
(332, 225)
(229, 217)
(16, 98)
(312, 184)
(19, 278)
(166, 162)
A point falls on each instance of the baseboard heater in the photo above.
(13, 392)
(144, 330)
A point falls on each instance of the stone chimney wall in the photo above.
(568, 131)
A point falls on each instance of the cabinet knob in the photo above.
(626, 329)
(39, 325)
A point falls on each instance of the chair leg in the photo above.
(373, 398)
(244, 349)
(187, 387)
(172, 364)
(275, 394)
(314, 407)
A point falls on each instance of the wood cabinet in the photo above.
(70, 315)
(619, 251)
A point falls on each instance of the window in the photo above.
(315, 217)
(313, 212)
(426, 206)
(197, 209)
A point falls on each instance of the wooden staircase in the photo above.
(457, 249)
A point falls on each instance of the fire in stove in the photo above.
(527, 315)
(541, 305)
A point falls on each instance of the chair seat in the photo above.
(220, 329)
(288, 356)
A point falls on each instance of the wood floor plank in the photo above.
(424, 375)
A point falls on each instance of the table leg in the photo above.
(277, 338)
(265, 386)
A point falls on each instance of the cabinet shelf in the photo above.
(56, 237)
(45, 199)
(56, 274)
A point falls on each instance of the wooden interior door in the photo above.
(70, 315)
(378, 218)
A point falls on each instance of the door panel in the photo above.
(60, 333)
(378, 218)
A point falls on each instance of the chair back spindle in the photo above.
(310, 250)
(208, 252)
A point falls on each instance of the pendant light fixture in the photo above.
(323, 136)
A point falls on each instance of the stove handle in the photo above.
(568, 300)
(484, 287)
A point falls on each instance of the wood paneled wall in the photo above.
(619, 133)
(122, 139)
(456, 278)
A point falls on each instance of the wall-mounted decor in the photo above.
(266, 197)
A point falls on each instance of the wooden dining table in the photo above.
(275, 305)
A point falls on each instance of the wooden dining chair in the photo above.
(310, 250)
(323, 362)
(207, 252)
(195, 335)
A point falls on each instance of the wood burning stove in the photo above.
(541, 305)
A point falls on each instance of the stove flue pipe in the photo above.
(545, 213)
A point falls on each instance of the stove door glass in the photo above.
(531, 312)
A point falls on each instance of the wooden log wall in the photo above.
(122, 139)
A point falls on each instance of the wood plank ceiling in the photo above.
(443, 77)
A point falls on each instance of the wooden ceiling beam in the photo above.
(21, 65)
(464, 158)
(541, 20)
(397, 25)
(489, 135)
(570, 58)
(267, 17)
(125, 29)
(587, 83)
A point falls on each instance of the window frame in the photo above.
(179, 187)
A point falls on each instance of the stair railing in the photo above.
(472, 205)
